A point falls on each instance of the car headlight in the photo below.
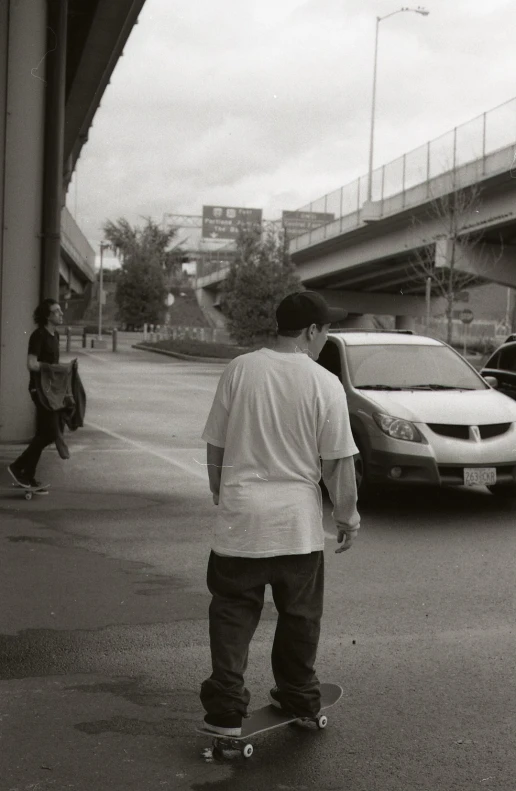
(397, 428)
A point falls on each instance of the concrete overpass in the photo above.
(364, 259)
(56, 59)
(77, 258)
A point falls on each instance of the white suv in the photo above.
(420, 414)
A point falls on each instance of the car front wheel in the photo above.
(365, 490)
(360, 473)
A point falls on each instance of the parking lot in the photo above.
(103, 628)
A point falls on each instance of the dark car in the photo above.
(502, 366)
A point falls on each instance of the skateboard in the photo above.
(28, 491)
(268, 718)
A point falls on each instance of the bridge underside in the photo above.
(394, 257)
(56, 59)
(382, 268)
(77, 258)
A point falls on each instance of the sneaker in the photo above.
(229, 724)
(19, 477)
(275, 700)
(39, 486)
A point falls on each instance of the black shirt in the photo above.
(44, 346)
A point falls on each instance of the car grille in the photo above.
(493, 430)
(462, 432)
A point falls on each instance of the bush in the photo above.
(200, 348)
(483, 346)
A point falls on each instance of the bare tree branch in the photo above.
(454, 218)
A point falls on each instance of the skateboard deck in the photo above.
(28, 491)
(268, 718)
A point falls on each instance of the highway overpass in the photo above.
(364, 259)
(77, 258)
(56, 59)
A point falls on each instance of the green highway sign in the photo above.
(224, 222)
(298, 222)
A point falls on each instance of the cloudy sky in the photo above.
(266, 103)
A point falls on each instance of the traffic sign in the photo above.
(224, 222)
(466, 316)
(298, 222)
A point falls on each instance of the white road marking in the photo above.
(182, 386)
(148, 449)
(91, 356)
(197, 471)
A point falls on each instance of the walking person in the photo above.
(275, 414)
(43, 348)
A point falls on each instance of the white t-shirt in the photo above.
(275, 414)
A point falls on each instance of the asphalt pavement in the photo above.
(104, 634)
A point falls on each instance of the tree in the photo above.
(453, 216)
(260, 276)
(149, 242)
(140, 294)
(148, 264)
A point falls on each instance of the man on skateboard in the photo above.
(274, 415)
(43, 348)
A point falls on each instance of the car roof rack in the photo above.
(368, 329)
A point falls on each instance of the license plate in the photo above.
(479, 476)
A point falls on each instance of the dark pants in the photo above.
(45, 435)
(237, 586)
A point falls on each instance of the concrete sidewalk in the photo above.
(103, 634)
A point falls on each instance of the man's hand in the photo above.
(350, 535)
(215, 498)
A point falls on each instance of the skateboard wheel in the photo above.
(217, 752)
(322, 721)
(247, 751)
(28, 496)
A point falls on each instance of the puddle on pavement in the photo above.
(155, 586)
(133, 726)
(33, 540)
(138, 692)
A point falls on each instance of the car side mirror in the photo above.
(491, 380)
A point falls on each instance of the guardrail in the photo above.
(205, 334)
(436, 165)
(95, 342)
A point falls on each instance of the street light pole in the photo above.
(418, 10)
(103, 246)
(373, 111)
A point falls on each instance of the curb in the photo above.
(180, 356)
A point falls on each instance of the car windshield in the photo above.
(409, 367)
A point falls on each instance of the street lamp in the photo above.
(103, 246)
(418, 10)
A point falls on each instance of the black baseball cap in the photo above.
(303, 308)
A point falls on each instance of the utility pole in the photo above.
(103, 246)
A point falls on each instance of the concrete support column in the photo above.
(22, 113)
(54, 195)
(206, 299)
(405, 323)
(358, 321)
(488, 260)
